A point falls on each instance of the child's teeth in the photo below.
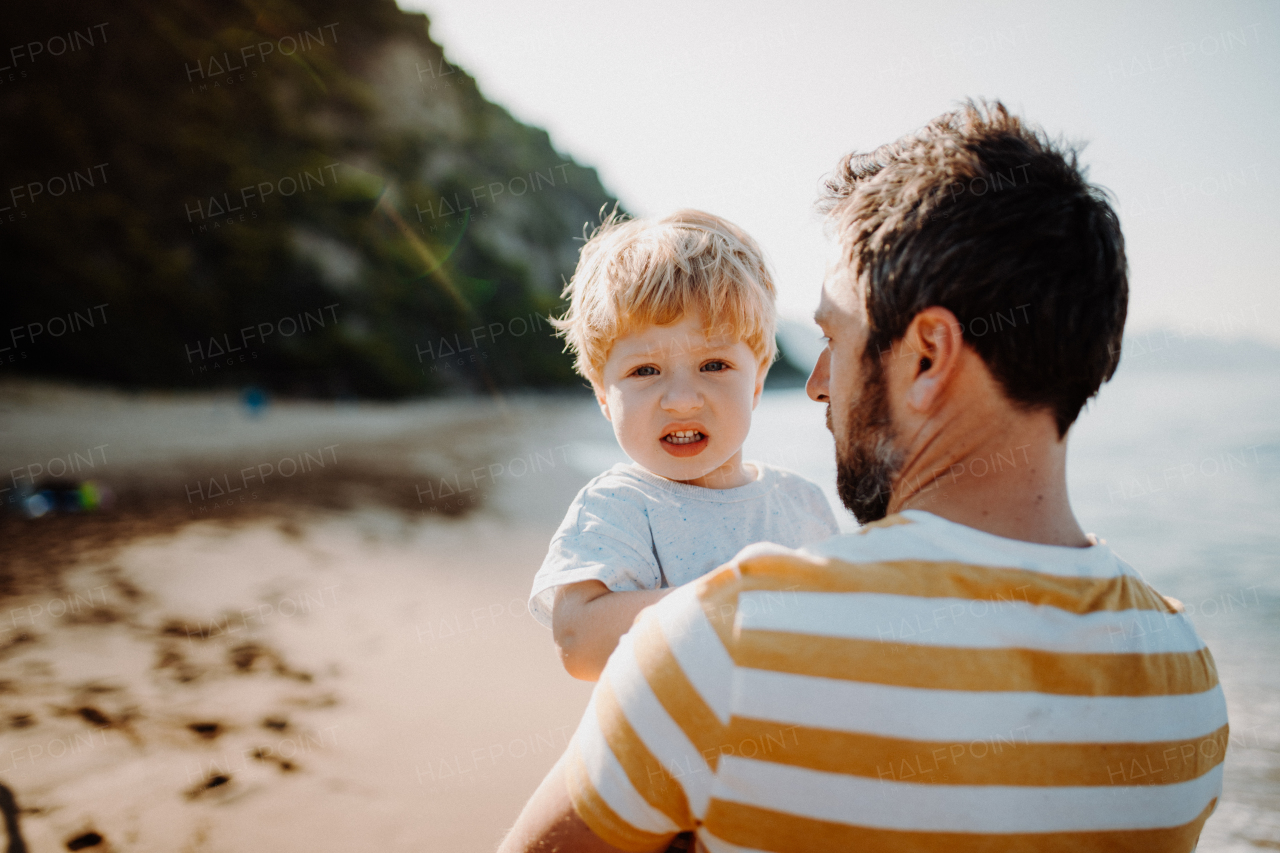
(684, 436)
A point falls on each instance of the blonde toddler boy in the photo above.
(672, 322)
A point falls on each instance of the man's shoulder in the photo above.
(768, 563)
(895, 537)
(713, 598)
(702, 620)
(918, 552)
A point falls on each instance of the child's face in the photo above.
(664, 380)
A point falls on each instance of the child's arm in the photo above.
(588, 619)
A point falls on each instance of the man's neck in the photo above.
(1007, 478)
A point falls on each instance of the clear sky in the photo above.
(741, 107)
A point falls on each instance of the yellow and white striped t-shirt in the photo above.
(917, 686)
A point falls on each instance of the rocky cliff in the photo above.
(306, 196)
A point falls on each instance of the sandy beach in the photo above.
(345, 663)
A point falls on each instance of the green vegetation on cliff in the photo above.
(306, 196)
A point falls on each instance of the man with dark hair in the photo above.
(970, 670)
(984, 217)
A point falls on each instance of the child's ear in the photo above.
(761, 374)
(602, 401)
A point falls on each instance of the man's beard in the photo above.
(867, 462)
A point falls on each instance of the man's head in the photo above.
(672, 321)
(980, 236)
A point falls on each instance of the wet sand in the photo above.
(284, 674)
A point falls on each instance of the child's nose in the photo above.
(681, 396)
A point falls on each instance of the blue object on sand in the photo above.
(255, 401)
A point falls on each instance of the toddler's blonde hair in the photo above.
(637, 272)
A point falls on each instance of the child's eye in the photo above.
(715, 366)
(647, 370)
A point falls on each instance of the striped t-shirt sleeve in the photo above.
(642, 762)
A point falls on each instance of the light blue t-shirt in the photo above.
(631, 529)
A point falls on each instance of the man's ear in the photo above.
(601, 400)
(934, 342)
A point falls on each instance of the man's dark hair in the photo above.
(982, 214)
